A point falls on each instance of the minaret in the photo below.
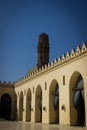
(43, 50)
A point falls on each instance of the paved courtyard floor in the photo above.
(9, 125)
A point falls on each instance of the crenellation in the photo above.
(45, 66)
(84, 47)
(39, 70)
(52, 62)
(59, 60)
(73, 53)
(25, 77)
(34, 72)
(29, 74)
(68, 55)
(78, 51)
(42, 68)
(6, 84)
(63, 58)
(49, 64)
(55, 61)
(9, 82)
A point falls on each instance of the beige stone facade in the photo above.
(39, 85)
(48, 94)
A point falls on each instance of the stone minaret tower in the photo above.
(43, 50)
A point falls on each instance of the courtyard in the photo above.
(13, 125)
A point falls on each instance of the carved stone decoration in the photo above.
(68, 55)
(78, 51)
(73, 53)
(84, 47)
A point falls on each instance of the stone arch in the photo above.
(54, 102)
(28, 105)
(5, 106)
(38, 104)
(21, 106)
(77, 102)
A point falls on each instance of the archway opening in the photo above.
(77, 102)
(5, 107)
(28, 106)
(54, 102)
(38, 104)
(21, 106)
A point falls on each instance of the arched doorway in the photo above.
(77, 102)
(54, 102)
(28, 105)
(21, 106)
(5, 107)
(38, 104)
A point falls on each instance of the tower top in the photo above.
(43, 38)
(43, 50)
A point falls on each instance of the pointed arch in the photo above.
(28, 105)
(5, 106)
(54, 102)
(38, 104)
(77, 103)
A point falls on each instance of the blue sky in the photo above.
(21, 22)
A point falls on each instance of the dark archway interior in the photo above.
(54, 102)
(40, 105)
(5, 107)
(79, 100)
(56, 98)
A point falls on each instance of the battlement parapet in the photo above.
(6, 84)
(69, 56)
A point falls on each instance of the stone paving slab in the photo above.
(9, 125)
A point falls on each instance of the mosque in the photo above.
(51, 92)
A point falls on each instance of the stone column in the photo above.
(45, 103)
(18, 106)
(33, 106)
(24, 106)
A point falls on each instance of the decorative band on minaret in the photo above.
(43, 50)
